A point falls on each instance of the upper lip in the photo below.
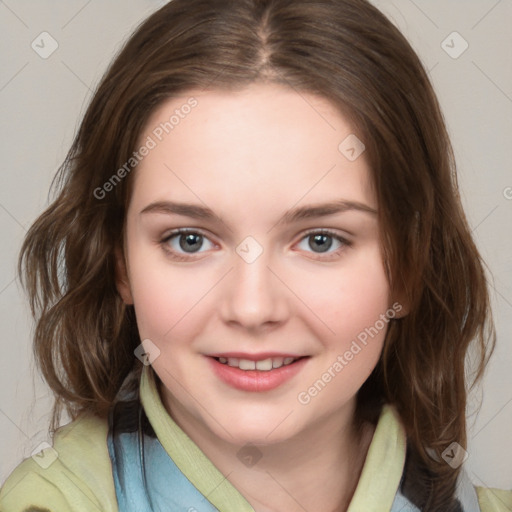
(255, 357)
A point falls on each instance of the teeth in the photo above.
(266, 365)
(246, 364)
(277, 362)
(263, 365)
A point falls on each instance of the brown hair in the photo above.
(347, 52)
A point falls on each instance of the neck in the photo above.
(317, 469)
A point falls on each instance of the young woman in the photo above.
(257, 288)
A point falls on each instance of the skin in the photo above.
(250, 156)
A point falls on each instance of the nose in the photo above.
(252, 297)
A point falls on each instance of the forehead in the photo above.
(267, 142)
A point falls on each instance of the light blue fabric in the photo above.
(465, 494)
(402, 504)
(146, 478)
(161, 488)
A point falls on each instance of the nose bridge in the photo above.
(252, 297)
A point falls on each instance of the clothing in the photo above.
(84, 477)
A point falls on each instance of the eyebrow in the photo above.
(291, 216)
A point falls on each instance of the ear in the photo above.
(400, 308)
(399, 303)
(398, 299)
(122, 281)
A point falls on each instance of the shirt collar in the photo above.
(376, 489)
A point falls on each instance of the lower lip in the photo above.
(256, 380)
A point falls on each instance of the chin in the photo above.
(255, 428)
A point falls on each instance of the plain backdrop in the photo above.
(43, 99)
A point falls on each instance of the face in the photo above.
(251, 236)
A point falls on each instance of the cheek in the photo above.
(355, 305)
(166, 299)
(350, 300)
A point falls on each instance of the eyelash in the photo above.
(190, 257)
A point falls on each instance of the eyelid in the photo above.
(179, 231)
(326, 231)
(184, 256)
(325, 256)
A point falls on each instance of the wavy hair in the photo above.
(349, 53)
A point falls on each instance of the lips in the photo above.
(253, 372)
(260, 356)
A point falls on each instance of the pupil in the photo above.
(320, 243)
(191, 242)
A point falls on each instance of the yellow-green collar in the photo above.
(375, 491)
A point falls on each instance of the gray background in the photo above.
(42, 101)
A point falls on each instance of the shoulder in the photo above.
(494, 500)
(416, 487)
(74, 475)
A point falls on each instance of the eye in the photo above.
(185, 241)
(323, 242)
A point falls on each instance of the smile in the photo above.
(256, 376)
(263, 365)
